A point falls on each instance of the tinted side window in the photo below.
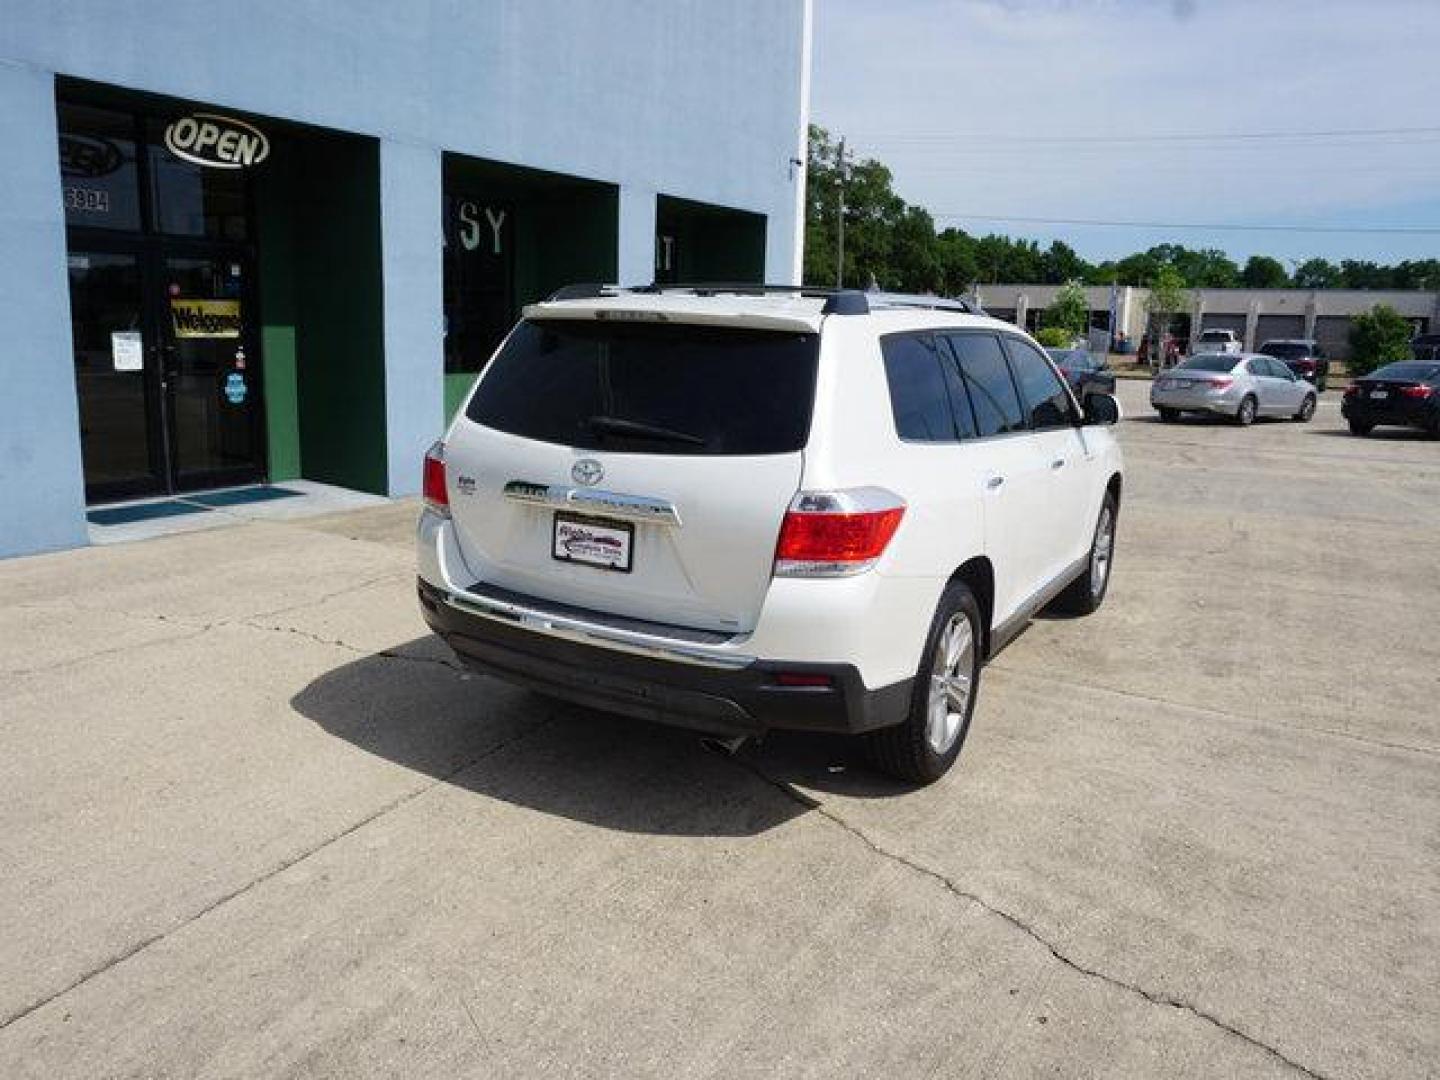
(1045, 396)
(987, 380)
(918, 395)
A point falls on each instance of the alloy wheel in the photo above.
(1102, 551)
(951, 675)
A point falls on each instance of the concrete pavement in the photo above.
(256, 823)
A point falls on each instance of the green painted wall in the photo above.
(276, 257)
(456, 387)
(318, 204)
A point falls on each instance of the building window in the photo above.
(479, 280)
(190, 199)
(98, 172)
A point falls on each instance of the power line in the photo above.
(1375, 230)
(980, 137)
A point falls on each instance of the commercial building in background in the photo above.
(1256, 315)
(267, 241)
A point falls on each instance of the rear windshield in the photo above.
(1407, 371)
(1285, 350)
(651, 388)
(1209, 362)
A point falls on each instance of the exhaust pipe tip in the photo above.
(723, 746)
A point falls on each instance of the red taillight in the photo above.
(437, 498)
(836, 534)
(1307, 367)
(1221, 382)
(1417, 391)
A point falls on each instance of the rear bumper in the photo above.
(1420, 414)
(745, 700)
(1195, 401)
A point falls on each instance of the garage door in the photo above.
(1333, 334)
(1270, 327)
(1222, 321)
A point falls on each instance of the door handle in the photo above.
(994, 482)
(1058, 463)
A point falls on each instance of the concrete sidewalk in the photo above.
(255, 822)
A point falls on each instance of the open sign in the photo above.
(218, 142)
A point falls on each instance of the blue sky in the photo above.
(1051, 108)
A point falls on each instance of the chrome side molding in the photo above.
(591, 501)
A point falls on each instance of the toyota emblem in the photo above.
(587, 471)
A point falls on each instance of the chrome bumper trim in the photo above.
(562, 626)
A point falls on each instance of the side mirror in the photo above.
(1101, 409)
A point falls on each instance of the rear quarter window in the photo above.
(651, 388)
(926, 398)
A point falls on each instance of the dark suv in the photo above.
(1304, 356)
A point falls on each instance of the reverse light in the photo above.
(437, 498)
(836, 533)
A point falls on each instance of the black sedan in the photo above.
(1406, 394)
(1086, 372)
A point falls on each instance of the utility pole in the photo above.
(840, 224)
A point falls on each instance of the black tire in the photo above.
(1307, 409)
(1168, 415)
(1245, 415)
(906, 751)
(1358, 427)
(1086, 593)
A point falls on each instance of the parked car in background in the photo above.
(735, 510)
(1243, 387)
(1215, 341)
(1086, 372)
(1426, 347)
(1406, 394)
(1304, 356)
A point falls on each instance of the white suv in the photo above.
(739, 509)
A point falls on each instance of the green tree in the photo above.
(1070, 311)
(1263, 272)
(1168, 297)
(1378, 337)
(1053, 337)
(1318, 274)
(1364, 274)
(1060, 263)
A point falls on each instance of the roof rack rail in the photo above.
(933, 303)
(837, 301)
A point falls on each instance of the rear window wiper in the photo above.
(635, 429)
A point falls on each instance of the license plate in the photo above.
(1183, 384)
(592, 541)
(1379, 395)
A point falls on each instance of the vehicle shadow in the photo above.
(1385, 434)
(412, 706)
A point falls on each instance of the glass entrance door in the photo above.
(209, 371)
(166, 371)
(115, 376)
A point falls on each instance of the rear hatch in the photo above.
(636, 468)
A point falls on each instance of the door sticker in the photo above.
(126, 350)
(205, 318)
(235, 388)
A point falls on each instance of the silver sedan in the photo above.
(1241, 386)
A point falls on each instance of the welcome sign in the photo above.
(205, 318)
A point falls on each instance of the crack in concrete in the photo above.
(955, 889)
(285, 864)
(1209, 710)
(389, 654)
